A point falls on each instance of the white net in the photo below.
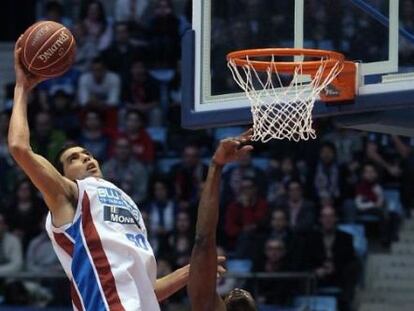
(282, 108)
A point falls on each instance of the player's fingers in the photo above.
(221, 259)
(221, 270)
(247, 133)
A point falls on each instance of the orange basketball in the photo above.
(48, 49)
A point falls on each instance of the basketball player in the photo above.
(96, 229)
(203, 264)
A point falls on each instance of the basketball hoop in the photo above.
(282, 93)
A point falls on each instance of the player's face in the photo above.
(78, 163)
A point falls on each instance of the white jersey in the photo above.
(105, 251)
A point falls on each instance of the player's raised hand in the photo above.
(23, 77)
(233, 148)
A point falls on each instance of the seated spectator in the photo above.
(40, 256)
(141, 143)
(11, 253)
(369, 193)
(86, 50)
(93, 137)
(24, 212)
(162, 209)
(245, 213)
(46, 140)
(99, 87)
(244, 168)
(126, 172)
(300, 211)
(7, 167)
(97, 26)
(326, 179)
(120, 55)
(348, 143)
(188, 174)
(65, 116)
(278, 176)
(164, 34)
(142, 93)
(131, 11)
(333, 256)
(53, 11)
(68, 83)
(273, 259)
(369, 200)
(179, 242)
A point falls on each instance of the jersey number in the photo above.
(138, 239)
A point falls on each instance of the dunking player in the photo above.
(96, 229)
(203, 264)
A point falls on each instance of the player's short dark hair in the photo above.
(57, 163)
(237, 300)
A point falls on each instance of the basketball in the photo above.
(48, 49)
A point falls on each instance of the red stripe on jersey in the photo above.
(75, 297)
(99, 258)
(63, 241)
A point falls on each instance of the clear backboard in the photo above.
(378, 34)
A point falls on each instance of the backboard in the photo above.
(378, 34)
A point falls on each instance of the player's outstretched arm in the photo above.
(56, 189)
(203, 263)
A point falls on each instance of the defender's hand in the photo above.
(231, 149)
(24, 78)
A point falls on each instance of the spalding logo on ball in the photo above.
(48, 49)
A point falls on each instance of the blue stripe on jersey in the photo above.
(83, 273)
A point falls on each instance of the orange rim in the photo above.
(242, 58)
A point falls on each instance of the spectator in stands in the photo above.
(179, 241)
(65, 116)
(121, 54)
(244, 168)
(24, 212)
(142, 93)
(11, 253)
(188, 174)
(300, 211)
(406, 151)
(68, 83)
(326, 179)
(278, 176)
(244, 214)
(370, 200)
(7, 168)
(126, 172)
(164, 33)
(92, 136)
(141, 143)
(46, 140)
(162, 209)
(382, 150)
(348, 143)
(86, 50)
(369, 192)
(333, 256)
(98, 29)
(131, 11)
(53, 11)
(40, 256)
(99, 87)
(273, 259)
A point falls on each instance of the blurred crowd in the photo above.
(280, 207)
